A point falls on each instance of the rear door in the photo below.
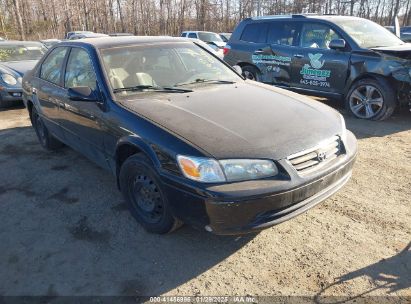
(49, 91)
(316, 67)
(282, 40)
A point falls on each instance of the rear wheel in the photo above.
(251, 72)
(47, 141)
(142, 190)
(371, 99)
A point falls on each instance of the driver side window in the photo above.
(79, 70)
(319, 36)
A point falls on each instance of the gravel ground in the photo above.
(64, 230)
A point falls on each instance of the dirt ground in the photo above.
(64, 230)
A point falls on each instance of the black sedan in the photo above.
(187, 138)
(16, 58)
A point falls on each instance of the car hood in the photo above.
(19, 67)
(401, 51)
(242, 120)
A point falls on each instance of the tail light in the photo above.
(226, 49)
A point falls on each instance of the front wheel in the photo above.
(371, 99)
(142, 190)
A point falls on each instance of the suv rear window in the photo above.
(255, 32)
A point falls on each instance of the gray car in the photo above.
(16, 58)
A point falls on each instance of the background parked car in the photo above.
(16, 58)
(333, 56)
(405, 32)
(225, 36)
(69, 34)
(212, 39)
(87, 35)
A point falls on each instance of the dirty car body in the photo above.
(223, 153)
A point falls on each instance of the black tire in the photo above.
(47, 141)
(371, 99)
(143, 192)
(252, 73)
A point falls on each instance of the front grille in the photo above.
(316, 158)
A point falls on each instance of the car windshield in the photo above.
(209, 37)
(368, 34)
(18, 52)
(163, 65)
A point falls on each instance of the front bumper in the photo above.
(245, 207)
(11, 94)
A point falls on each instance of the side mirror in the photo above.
(337, 44)
(238, 69)
(82, 94)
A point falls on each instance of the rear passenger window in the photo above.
(255, 32)
(183, 34)
(51, 67)
(284, 33)
(192, 35)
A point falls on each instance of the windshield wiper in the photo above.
(152, 88)
(202, 80)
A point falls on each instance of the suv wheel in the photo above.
(47, 141)
(371, 99)
(251, 73)
(142, 190)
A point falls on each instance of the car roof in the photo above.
(198, 32)
(306, 16)
(107, 42)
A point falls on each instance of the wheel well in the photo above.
(243, 64)
(370, 75)
(123, 152)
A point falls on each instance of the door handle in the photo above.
(298, 55)
(257, 52)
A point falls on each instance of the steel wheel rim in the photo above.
(40, 129)
(249, 75)
(147, 199)
(366, 101)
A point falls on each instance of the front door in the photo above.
(82, 121)
(316, 67)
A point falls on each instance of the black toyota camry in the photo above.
(188, 139)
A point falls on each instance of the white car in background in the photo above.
(213, 40)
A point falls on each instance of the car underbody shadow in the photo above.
(64, 227)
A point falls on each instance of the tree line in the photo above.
(41, 19)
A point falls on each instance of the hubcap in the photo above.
(249, 75)
(366, 101)
(147, 199)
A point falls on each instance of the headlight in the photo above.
(9, 79)
(209, 170)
